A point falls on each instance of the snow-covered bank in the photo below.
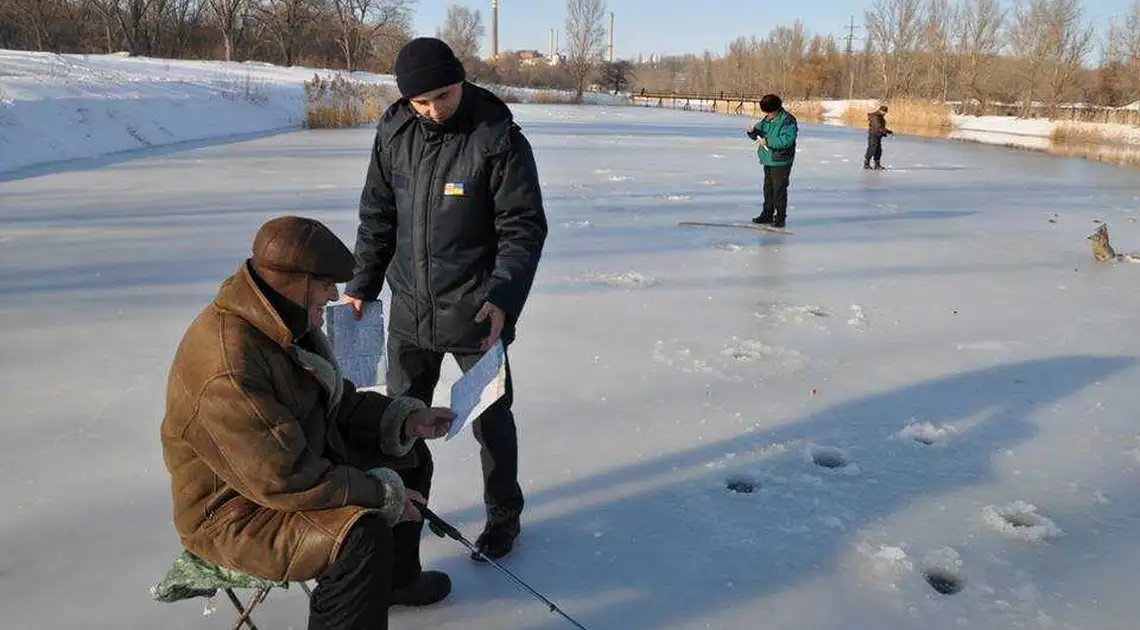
(1028, 133)
(65, 107)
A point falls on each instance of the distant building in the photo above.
(533, 57)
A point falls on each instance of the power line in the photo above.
(850, 61)
(850, 34)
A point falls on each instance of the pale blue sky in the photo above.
(676, 26)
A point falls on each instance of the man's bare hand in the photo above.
(498, 320)
(411, 512)
(430, 423)
(357, 304)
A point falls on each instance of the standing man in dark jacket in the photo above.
(876, 130)
(452, 216)
(775, 135)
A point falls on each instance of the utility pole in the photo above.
(850, 59)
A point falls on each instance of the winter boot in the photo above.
(866, 165)
(430, 587)
(497, 539)
(764, 218)
(878, 167)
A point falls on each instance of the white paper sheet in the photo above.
(479, 388)
(357, 345)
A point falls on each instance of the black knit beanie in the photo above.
(425, 64)
(770, 103)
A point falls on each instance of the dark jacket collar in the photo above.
(480, 112)
(249, 297)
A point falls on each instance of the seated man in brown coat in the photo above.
(279, 467)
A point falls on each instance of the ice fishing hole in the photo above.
(828, 457)
(943, 581)
(741, 484)
(1021, 519)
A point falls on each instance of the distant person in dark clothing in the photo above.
(876, 130)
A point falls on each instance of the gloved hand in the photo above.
(399, 503)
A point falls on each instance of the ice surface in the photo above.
(938, 297)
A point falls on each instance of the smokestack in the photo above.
(610, 52)
(494, 29)
(552, 49)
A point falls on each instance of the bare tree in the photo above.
(1111, 85)
(894, 28)
(230, 16)
(131, 17)
(737, 72)
(786, 49)
(176, 25)
(360, 22)
(586, 39)
(617, 76)
(38, 18)
(936, 41)
(978, 41)
(1129, 42)
(286, 22)
(463, 30)
(387, 43)
(1050, 38)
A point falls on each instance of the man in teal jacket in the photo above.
(775, 136)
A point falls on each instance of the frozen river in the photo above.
(940, 329)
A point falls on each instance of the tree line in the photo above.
(343, 34)
(351, 34)
(1033, 53)
(977, 52)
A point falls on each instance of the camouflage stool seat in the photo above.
(190, 576)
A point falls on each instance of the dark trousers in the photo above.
(414, 371)
(355, 591)
(874, 148)
(776, 192)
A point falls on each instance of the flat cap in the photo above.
(291, 244)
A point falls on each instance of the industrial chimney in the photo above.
(494, 30)
(610, 51)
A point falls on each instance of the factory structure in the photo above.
(552, 56)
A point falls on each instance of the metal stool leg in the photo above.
(246, 612)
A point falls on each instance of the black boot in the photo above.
(866, 165)
(430, 587)
(497, 539)
(764, 218)
(878, 167)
